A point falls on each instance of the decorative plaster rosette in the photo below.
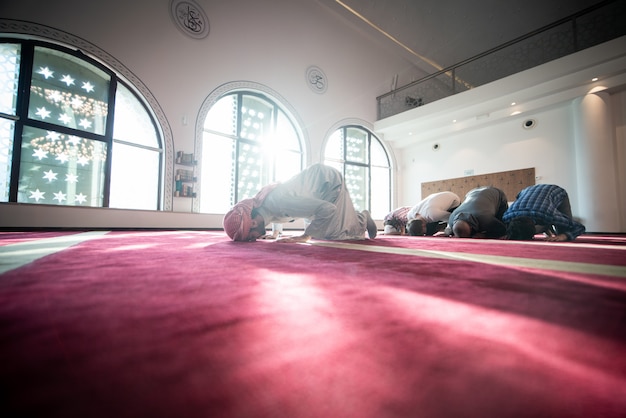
(190, 18)
(316, 79)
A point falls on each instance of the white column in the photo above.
(596, 173)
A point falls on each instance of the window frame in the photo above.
(343, 161)
(242, 90)
(21, 118)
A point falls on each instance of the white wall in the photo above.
(503, 146)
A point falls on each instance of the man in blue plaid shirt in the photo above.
(542, 208)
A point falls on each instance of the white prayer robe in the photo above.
(319, 195)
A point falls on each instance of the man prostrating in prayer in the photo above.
(318, 194)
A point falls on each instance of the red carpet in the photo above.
(189, 324)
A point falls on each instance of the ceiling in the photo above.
(435, 34)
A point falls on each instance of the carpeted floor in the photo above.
(189, 324)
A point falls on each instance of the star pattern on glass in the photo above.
(63, 158)
(80, 198)
(37, 195)
(55, 96)
(42, 112)
(88, 87)
(77, 102)
(85, 124)
(50, 175)
(40, 153)
(68, 80)
(60, 196)
(59, 160)
(83, 161)
(65, 118)
(73, 140)
(45, 72)
(53, 136)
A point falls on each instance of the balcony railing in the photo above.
(592, 26)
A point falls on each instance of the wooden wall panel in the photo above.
(510, 182)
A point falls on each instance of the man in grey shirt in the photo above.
(318, 194)
(479, 215)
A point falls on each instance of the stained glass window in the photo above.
(64, 146)
(252, 142)
(362, 159)
(7, 128)
(9, 75)
(68, 91)
(61, 169)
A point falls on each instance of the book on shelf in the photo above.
(185, 175)
(184, 158)
(184, 190)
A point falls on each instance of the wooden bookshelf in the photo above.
(185, 177)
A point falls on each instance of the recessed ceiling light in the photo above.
(454, 121)
(410, 133)
(594, 79)
(513, 104)
(517, 112)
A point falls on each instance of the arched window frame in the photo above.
(23, 30)
(342, 163)
(252, 88)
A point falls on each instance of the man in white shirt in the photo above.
(423, 218)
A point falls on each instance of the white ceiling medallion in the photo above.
(316, 79)
(190, 18)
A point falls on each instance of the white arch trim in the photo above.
(365, 124)
(251, 86)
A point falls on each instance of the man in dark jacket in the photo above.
(479, 215)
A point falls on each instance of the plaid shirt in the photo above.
(542, 202)
(397, 218)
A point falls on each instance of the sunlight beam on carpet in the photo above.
(17, 255)
(521, 336)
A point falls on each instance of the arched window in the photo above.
(72, 133)
(248, 141)
(361, 157)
